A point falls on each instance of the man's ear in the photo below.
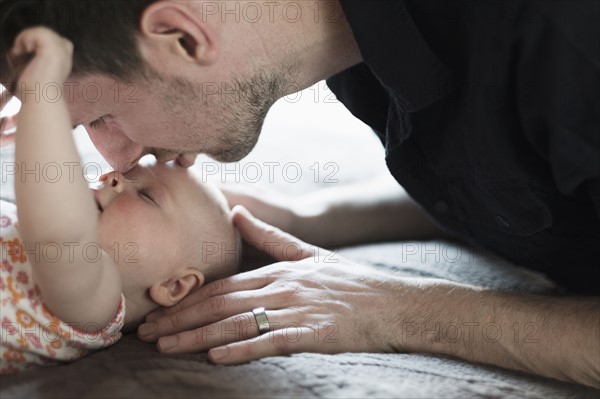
(171, 29)
(169, 292)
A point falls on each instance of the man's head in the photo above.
(165, 77)
(87, 25)
(178, 78)
(167, 232)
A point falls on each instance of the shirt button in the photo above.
(440, 206)
(503, 221)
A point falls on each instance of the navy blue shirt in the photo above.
(490, 116)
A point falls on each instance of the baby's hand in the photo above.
(41, 55)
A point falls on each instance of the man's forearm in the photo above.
(557, 337)
(374, 211)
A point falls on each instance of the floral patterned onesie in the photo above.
(31, 334)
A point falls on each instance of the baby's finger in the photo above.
(27, 44)
(28, 40)
(17, 62)
(23, 46)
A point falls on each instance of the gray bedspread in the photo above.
(132, 369)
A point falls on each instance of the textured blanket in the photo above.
(132, 369)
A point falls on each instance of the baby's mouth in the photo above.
(96, 195)
(99, 206)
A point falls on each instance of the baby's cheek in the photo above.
(121, 227)
(148, 246)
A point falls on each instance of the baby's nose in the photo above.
(115, 180)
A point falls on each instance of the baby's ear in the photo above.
(170, 292)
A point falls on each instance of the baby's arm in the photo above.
(58, 211)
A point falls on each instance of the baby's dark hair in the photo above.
(103, 33)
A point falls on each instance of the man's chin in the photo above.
(228, 157)
(234, 153)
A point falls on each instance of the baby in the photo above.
(79, 266)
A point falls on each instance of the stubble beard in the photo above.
(232, 119)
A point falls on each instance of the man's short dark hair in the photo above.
(103, 32)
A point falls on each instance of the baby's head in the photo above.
(167, 232)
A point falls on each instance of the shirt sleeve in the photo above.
(92, 337)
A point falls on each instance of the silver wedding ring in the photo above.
(261, 320)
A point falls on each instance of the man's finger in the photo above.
(201, 313)
(276, 343)
(269, 239)
(240, 327)
(236, 283)
(212, 310)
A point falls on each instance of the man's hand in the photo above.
(348, 214)
(315, 300)
(270, 206)
(319, 302)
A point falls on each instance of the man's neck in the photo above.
(313, 38)
(328, 43)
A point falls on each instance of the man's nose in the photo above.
(119, 151)
(124, 159)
